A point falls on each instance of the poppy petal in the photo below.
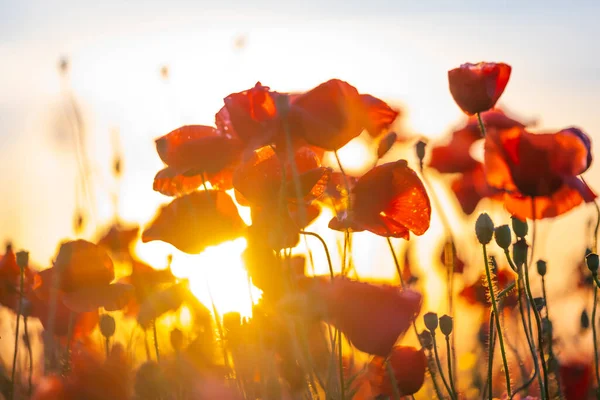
(195, 221)
(162, 302)
(378, 115)
(112, 297)
(386, 143)
(83, 264)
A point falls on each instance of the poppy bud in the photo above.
(503, 236)
(107, 325)
(446, 324)
(425, 339)
(547, 327)
(585, 320)
(520, 228)
(420, 150)
(484, 228)
(541, 267)
(592, 262)
(539, 303)
(177, 339)
(431, 321)
(520, 252)
(22, 259)
(25, 307)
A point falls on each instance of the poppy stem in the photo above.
(393, 381)
(155, 336)
(481, 125)
(341, 359)
(219, 327)
(147, 345)
(107, 346)
(30, 353)
(595, 334)
(536, 313)
(497, 318)
(439, 367)
(449, 358)
(431, 367)
(324, 247)
(491, 347)
(19, 308)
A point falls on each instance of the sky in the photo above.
(398, 50)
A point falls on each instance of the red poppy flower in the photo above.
(193, 153)
(477, 87)
(371, 316)
(455, 156)
(10, 280)
(379, 115)
(477, 293)
(471, 187)
(389, 200)
(336, 192)
(195, 221)
(409, 366)
(576, 380)
(541, 166)
(83, 273)
(83, 323)
(119, 239)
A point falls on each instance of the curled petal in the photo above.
(378, 115)
(170, 183)
(386, 143)
(119, 239)
(195, 221)
(477, 87)
(409, 366)
(112, 297)
(82, 264)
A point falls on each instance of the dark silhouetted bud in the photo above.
(386, 143)
(541, 267)
(107, 325)
(26, 307)
(592, 262)
(585, 320)
(177, 339)
(446, 325)
(484, 228)
(547, 327)
(539, 303)
(426, 340)
(503, 236)
(420, 150)
(431, 321)
(520, 252)
(22, 259)
(520, 228)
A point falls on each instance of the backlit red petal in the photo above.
(378, 115)
(111, 297)
(83, 264)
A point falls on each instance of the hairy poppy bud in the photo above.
(107, 325)
(541, 267)
(177, 339)
(484, 228)
(539, 303)
(520, 252)
(446, 324)
(431, 321)
(503, 236)
(592, 262)
(585, 320)
(425, 339)
(22, 259)
(420, 150)
(520, 228)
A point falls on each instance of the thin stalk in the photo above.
(70, 331)
(147, 346)
(536, 313)
(219, 328)
(324, 247)
(19, 308)
(481, 125)
(491, 347)
(595, 335)
(449, 358)
(431, 368)
(340, 349)
(30, 353)
(393, 382)
(439, 367)
(497, 318)
(155, 336)
(107, 346)
(344, 176)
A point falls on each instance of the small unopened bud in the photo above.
(425, 339)
(23, 259)
(484, 228)
(446, 325)
(547, 327)
(520, 252)
(541, 267)
(420, 150)
(585, 320)
(503, 236)
(177, 339)
(539, 303)
(25, 307)
(520, 228)
(592, 262)
(107, 325)
(431, 321)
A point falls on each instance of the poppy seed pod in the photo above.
(431, 321)
(177, 339)
(592, 262)
(420, 150)
(484, 228)
(425, 339)
(520, 252)
(520, 228)
(22, 259)
(541, 267)
(584, 320)
(503, 236)
(107, 325)
(539, 303)
(446, 325)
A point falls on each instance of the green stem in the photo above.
(155, 335)
(107, 346)
(393, 382)
(491, 347)
(449, 358)
(431, 367)
(595, 334)
(30, 353)
(439, 367)
(19, 308)
(324, 247)
(340, 349)
(497, 318)
(481, 125)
